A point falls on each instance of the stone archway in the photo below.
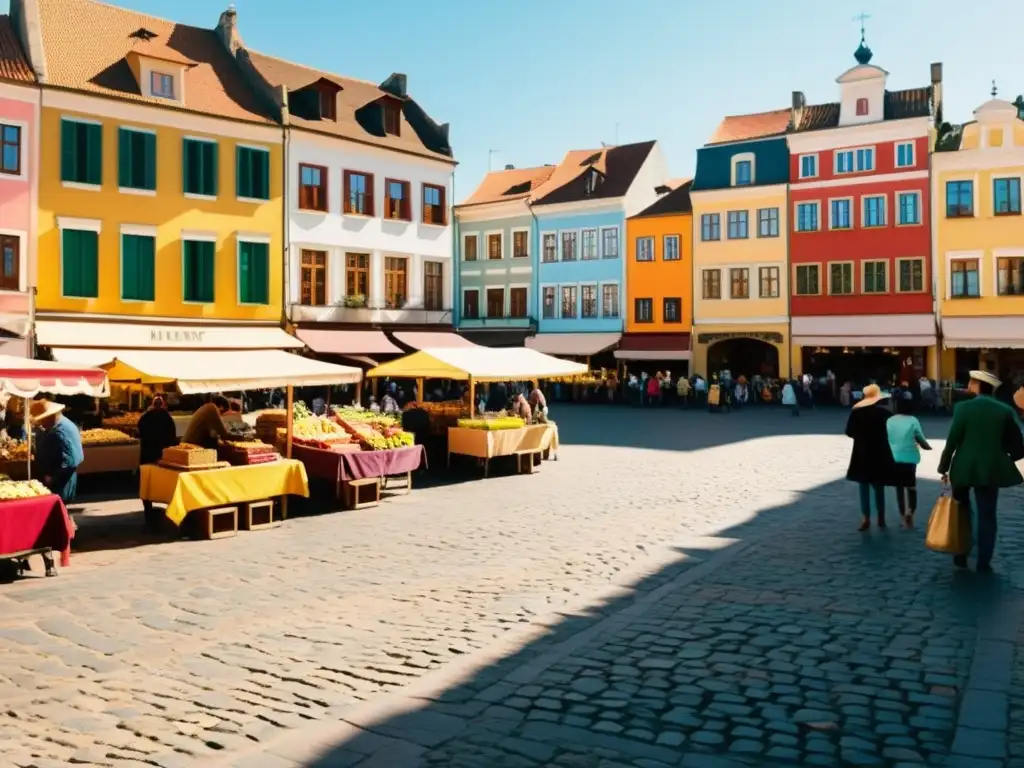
(745, 356)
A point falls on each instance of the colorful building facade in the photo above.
(496, 289)
(861, 300)
(978, 238)
(659, 276)
(740, 221)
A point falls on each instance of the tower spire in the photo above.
(995, 91)
(863, 54)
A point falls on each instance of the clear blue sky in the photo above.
(534, 78)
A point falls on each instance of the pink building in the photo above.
(19, 159)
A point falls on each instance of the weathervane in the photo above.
(995, 91)
(862, 17)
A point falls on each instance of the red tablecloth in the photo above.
(355, 465)
(36, 523)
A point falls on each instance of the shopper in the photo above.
(871, 462)
(984, 442)
(60, 449)
(539, 405)
(906, 439)
(789, 398)
(156, 432)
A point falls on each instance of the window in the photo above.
(610, 300)
(198, 271)
(910, 207)
(1010, 275)
(328, 103)
(737, 225)
(469, 246)
(569, 244)
(744, 173)
(549, 302)
(396, 285)
(767, 222)
(433, 286)
(588, 301)
(80, 263)
(312, 188)
(911, 275)
(671, 310)
(874, 211)
(161, 85)
(645, 249)
(711, 280)
(959, 199)
(359, 194)
(471, 304)
(397, 203)
(866, 159)
(81, 152)
(610, 243)
(520, 247)
(517, 299)
(495, 302)
(964, 281)
(199, 174)
(136, 159)
(862, 107)
(138, 257)
(670, 247)
(588, 244)
(710, 227)
(434, 210)
(253, 173)
(808, 166)
(591, 181)
(392, 117)
(550, 247)
(642, 310)
(807, 217)
(905, 154)
(840, 279)
(808, 280)
(313, 278)
(253, 272)
(844, 161)
(1006, 197)
(10, 263)
(357, 277)
(568, 301)
(494, 249)
(839, 214)
(10, 149)
(739, 283)
(876, 277)
(768, 277)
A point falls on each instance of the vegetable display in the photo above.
(96, 437)
(21, 489)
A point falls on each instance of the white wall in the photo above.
(339, 234)
(652, 174)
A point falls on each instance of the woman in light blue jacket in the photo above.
(906, 438)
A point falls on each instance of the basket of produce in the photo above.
(188, 455)
(268, 422)
(243, 453)
(499, 422)
(13, 450)
(22, 489)
(105, 437)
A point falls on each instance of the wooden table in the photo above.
(486, 444)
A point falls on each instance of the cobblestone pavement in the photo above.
(626, 606)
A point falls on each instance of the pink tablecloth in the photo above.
(355, 465)
(34, 524)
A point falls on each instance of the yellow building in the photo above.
(978, 242)
(160, 196)
(740, 256)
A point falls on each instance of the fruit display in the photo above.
(124, 421)
(374, 431)
(269, 422)
(495, 423)
(241, 453)
(21, 489)
(104, 437)
(13, 450)
(364, 416)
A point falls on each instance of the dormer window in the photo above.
(161, 85)
(862, 107)
(392, 118)
(744, 176)
(592, 180)
(328, 105)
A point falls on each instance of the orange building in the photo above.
(659, 286)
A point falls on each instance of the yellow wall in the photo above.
(660, 279)
(169, 211)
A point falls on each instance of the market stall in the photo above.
(507, 437)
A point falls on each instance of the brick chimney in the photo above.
(796, 112)
(227, 30)
(937, 90)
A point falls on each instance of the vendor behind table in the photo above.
(207, 428)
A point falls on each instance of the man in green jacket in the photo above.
(984, 442)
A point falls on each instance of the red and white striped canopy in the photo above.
(27, 378)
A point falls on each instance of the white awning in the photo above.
(983, 332)
(28, 378)
(871, 326)
(864, 341)
(433, 340)
(86, 334)
(351, 343)
(573, 344)
(652, 354)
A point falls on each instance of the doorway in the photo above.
(744, 357)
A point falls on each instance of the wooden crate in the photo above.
(354, 493)
(218, 522)
(260, 515)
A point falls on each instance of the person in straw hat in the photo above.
(60, 449)
(984, 442)
(872, 465)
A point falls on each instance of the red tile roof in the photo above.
(13, 63)
(754, 126)
(511, 184)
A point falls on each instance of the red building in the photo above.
(860, 242)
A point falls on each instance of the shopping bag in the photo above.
(949, 527)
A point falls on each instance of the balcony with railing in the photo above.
(497, 323)
(358, 310)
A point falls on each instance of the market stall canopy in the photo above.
(27, 378)
(66, 337)
(983, 332)
(433, 340)
(480, 363)
(654, 346)
(573, 344)
(351, 343)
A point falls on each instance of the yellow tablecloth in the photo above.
(486, 444)
(109, 458)
(184, 492)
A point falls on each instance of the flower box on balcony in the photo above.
(355, 301)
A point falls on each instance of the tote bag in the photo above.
(949, 527)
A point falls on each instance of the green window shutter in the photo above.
(129, 267)
(68, 151)
(188, 172)
(94, 154)
(262, 181)
(244, 272)
(199, 271)
(124, 158)
(147, 270)
(261, 273)
(90, 264)
(149, 154)
(138, 254)
(208, 271)
(210, 170)
(71, 271)
(243, 172)
(188, 270)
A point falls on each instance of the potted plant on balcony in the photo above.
(356, 300)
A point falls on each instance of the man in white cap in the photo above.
(984, 442)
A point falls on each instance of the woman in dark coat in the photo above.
(871, 463)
